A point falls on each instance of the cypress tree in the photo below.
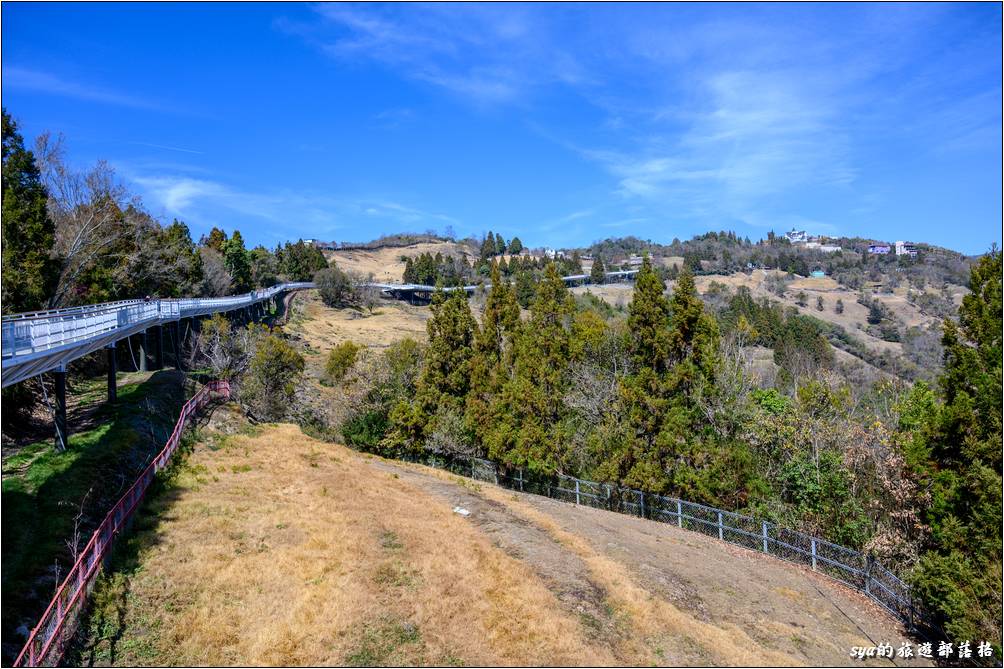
(526, 416)
(499, 321)
(597, 274)
(445, 379)
(959, 462)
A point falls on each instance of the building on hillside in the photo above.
(635, 260)
(797, 236)
(817, 274)
(879, 249)
(551, 254)
(905, 249)
(823, 248)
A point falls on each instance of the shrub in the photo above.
(273, 374)
(340, 360)
(365, 429)
(335, 288)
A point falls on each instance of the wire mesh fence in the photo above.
(846, 565)
(48, 639)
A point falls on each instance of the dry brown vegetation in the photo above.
(275, 548)
(386, 264)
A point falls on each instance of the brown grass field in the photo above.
(274, 548)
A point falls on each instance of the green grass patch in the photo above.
(43, 489)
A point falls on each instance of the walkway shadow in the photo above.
(49, 497)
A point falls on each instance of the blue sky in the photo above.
(562, 124)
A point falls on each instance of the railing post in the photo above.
(764, 525)
(641, 503)
(576, 491)
(521, 479)
(679, 514)
(868, 575)
(721, 534)
(813, 554)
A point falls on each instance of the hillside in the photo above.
(385, 264)
(343, 558)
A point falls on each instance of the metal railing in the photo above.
(845, 565)
(48, 639)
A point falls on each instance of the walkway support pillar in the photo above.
(178, 361)
(144, 346)
(158, 362)
(59, 419)
(112, 371)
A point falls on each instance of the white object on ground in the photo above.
(461, 510)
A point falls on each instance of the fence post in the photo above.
(868, 575)
(641, 503)
(521, 479)
(679, 514)
(576, 492)
(765, 536)
(721, 535)
(813, 555)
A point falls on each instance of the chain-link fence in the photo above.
(848, 566)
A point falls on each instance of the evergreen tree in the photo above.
(446, 373)
(648, 320)
(499, 321)
(30, 271)
(499, 244)
(215, 241)
(515, 246)
(488, 247)
(597, 274)
(526, 416)
(237, 262)
(959, 575)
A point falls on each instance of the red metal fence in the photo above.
(48, 639)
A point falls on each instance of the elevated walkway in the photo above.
(46, 341)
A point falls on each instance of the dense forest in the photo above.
(664, 398)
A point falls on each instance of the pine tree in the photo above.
(597, 274)
(499, 244)
(515, 246)
(30, 270)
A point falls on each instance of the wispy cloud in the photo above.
(45, 82)
(169, 148)
(289, 213)
(486, 54)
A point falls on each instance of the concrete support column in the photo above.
(62, 432)
(144, 346)
(112, 371)
(158, 332)
(175, 344)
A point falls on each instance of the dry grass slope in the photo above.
(277, 549)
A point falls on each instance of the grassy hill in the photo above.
(342, 558)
